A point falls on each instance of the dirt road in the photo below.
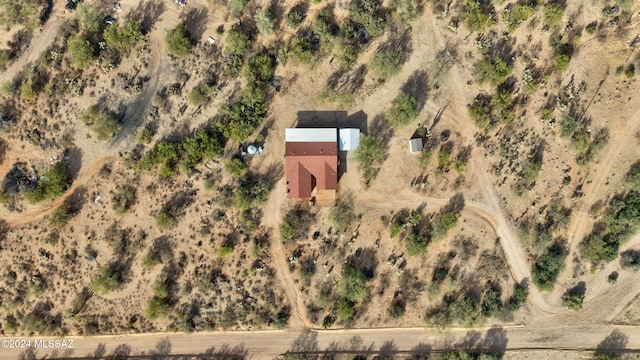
(268, 344)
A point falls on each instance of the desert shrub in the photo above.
(145, 136)
(442, 223)
(630, 259)
(561, 62)
(574, 298)
(236, 167)
(60, 216)
(416, 244)
(264, 22)
(328, 320)
(553, 14)
(519, 297)
(353, 284)
(630, 71)
(90, 17)
(158, 305)
(81, 51)
(494, 71)
(25, 12)
(295, 225)
(236, 43)
(620, 220)
(102, 123)
(475, 15)
(403, 111)
(241, 118)
(294, 18)
(397, 308)
(480, 112)
(167, 217)
(518, 14)
(491, 303)
(251, 191)
(259, 70)
(27, 92)
(591, 27)
(197, 96)
(5, 58)
(236, 7)
(341, 215)
(225, 250)
(107, 279)
(368, 14)
(53, 183)
(177, 41)
(344, 309)
(456, 307)
(302, 50)
(369, 155)
(149, 260)
(547, 267)
(407, 10)
(124, 199)
(123, 38)
(385, 64)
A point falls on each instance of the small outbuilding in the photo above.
(415, 145)
(348, 139)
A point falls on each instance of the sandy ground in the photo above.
(485, 201)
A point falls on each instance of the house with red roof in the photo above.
(311, 169)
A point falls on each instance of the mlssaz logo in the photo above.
(53, 344)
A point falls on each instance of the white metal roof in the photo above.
(349, 139)
(415, 145)
(311, 135)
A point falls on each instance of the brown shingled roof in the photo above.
(308, 161)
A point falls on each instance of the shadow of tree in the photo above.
(73, 161)
(195, 20)
(417, 86)
(147, 13)
(380, 129)
(614, 343)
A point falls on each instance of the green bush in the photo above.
(475, 16)
(123, 199)
(53, 183)
(107, 279)
(225, 250)
(241, 118)
(81, 51)
(196, 96)
(369, 156)
(168, 217)
(574, 298)
(553, 14)
(591, 28)
(294, 18)
(90, 17)
(416, 244)
(156, 308)
(259, 70)
(25, 12)
(407, 10)
(295, 225)
(145, 136)
(123, 38)
(519, 297)
(236, 167)
(561, 62)
(341, 216)
(547, 267)
(352, 285)
(518, 14)
(385, 64)
(102, 123)
(480, 112)
(236, 7)
(149, 260)
(27, 92)
(344, 309)
(177, 41)
(236, 43)
(494, 71)
(60, 216)
(5, 58)
(368, 14)
(302, 50)
(630, 259)
(402, 112)
(264, 22)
